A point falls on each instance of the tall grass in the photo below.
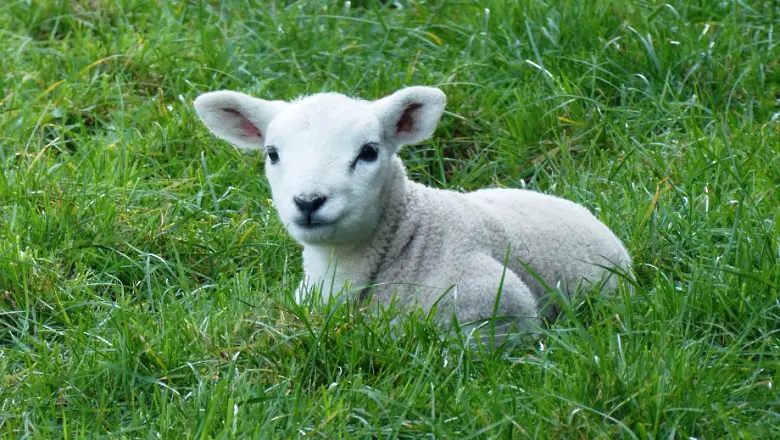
(145, 281)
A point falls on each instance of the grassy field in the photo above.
(145, 281)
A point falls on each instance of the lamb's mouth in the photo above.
(311, 225)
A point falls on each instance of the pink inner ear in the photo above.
(248, 129)
(406, 123)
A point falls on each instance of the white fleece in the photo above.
(377, 230)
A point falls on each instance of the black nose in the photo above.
(307, 205)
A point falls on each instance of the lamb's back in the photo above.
(561, 241)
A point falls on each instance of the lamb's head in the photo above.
(328, 157)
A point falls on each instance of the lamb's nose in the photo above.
(308, 204)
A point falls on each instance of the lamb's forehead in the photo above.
(327, 115)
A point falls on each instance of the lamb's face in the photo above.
(327, 156)
(327, 163)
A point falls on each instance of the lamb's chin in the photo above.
(338, 234)
(313, 233)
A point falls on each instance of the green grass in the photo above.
(145, 281)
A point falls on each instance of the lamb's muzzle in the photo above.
(308, 205)
(342, 192)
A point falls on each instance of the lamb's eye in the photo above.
(368, 153)
(273, 156)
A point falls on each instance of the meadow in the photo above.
(146, 282)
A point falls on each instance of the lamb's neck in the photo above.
(394, 214)
(358, 263)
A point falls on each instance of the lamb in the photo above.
(342, 192)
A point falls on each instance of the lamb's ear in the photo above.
(237, 118)
(410, 115)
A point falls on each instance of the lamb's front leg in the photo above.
(306, 288)
(320, 272)
(335, 272)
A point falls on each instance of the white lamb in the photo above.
(342, 192)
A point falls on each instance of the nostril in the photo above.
(317, 202)
(307, 205)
